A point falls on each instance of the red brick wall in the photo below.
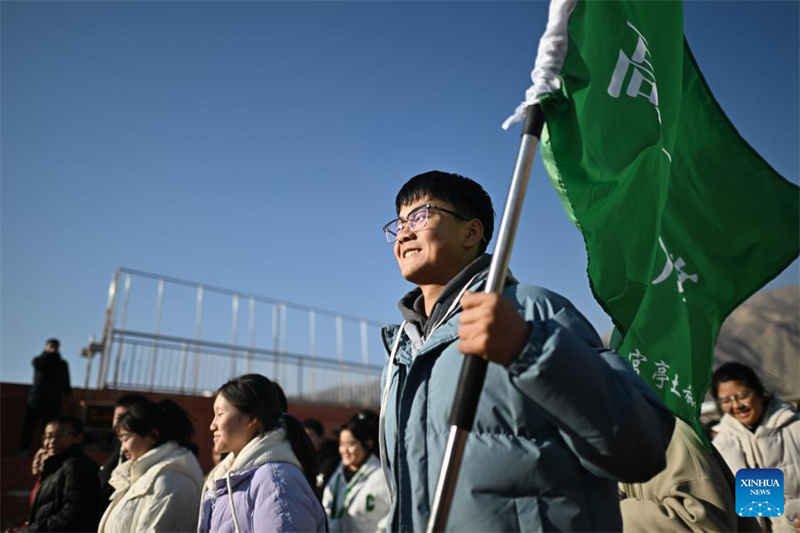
(12, 412)
(15, 471)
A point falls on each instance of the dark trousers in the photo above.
(32, 417)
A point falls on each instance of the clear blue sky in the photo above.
(259, 145)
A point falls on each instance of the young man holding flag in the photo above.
(560, 419)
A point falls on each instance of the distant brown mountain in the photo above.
(764, 333)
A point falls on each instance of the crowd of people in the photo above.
(268, 478)
(567, 437)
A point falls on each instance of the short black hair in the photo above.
(71, 420)
(467, 197)
(126, 400)
(365, 431)
(736, 372)
(55, 342)
(314, 425)
(166, 417)
(368, 415)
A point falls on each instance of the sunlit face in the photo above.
(352, 452)
(435, 253)
(133, 445)
(740, 401)
(232, 428)
(58, 437)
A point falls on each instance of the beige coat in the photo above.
(160, 491)
(774, 444)
(692, 493)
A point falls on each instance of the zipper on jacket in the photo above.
(394, 526)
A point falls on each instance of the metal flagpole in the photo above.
(473, 369)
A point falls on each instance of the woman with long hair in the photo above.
(158, 487)
(356, 497)
(264, 483)
(758, 430)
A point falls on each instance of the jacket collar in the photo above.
(369, 466)
(272, 447)
(53, 463)
(436, 329)
(412, 305)
(145, 469)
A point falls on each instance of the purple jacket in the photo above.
(267, 497)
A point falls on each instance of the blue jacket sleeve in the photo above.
(609, 418)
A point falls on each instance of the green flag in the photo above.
(682, 219)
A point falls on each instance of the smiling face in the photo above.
(133, 445)
(741, 402)
(352, 452)
(232, 428)
(435, 253)
(58, 437)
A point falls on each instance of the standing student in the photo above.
(50, 386)
(560, 419)
(67, 497)
(265, 482)
(116, 458)
(157, 489)
(356, 497)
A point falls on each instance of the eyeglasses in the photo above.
(740, 397)
(416, 220)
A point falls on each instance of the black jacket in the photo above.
(329, 459)
(50, 382)
(104, 475)
(67, 499)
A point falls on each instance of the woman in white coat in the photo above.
(158, 488)
(758, 430)
(356, 498)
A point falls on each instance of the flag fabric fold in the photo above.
(681, 218)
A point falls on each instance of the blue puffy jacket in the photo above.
(553, 434)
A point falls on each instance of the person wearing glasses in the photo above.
(67, 498)
(560, 419)
(758, 430)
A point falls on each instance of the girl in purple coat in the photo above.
(264, 483)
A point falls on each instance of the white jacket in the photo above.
(360, 505)
(159, 491)
(774, 444)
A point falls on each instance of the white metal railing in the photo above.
(166, 352)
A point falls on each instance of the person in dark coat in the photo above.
(327, 452)
(50, 385)
(67, 498)
(115, 459)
